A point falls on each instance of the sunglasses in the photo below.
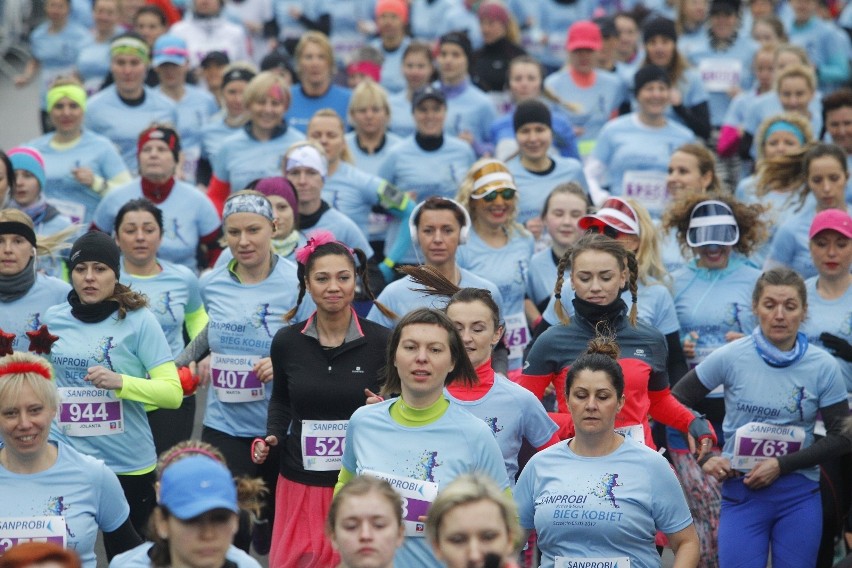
(506, 193)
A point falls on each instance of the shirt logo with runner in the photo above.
(102, 352)
(425, 468)
(163, 305)
(260, 318)
(794, 404)
(492, 424)
(606, 488)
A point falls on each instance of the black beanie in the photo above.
(659, 26)
(649, 73)
(95, 246)
(461, 40)
(531, 111)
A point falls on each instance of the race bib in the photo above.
(377, 224)
(417, 497)
(233, 378)
(14, 531)
(635, 432)
(720, 75)
(615, 562)
(517, 335)
(756, 441)
(322, 444)
(191, 157)
(648, 188)
(90, 411)
(71, 209)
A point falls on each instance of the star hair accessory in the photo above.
(41, 340)
(16, 367)
(6, 341)
(317, 239)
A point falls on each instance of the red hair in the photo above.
(29, 553)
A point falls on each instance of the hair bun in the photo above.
(603, 343)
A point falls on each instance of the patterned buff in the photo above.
(128, 45)
(248, 203)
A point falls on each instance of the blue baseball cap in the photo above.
(195, 485)
(170, 49)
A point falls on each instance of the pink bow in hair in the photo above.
(318, 238)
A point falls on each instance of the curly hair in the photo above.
(752, 227)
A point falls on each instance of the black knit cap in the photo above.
(649, 73)
(95, 246)
(529, 111)
(659, 26)
(461, 40)
(724, 7)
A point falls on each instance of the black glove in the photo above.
(838, 346)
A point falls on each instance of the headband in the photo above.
(16, 367)
(367, 68)
(237, 74)
(129, 45)
(74, 92)
(163, 133)
(248, 203)
(306, 156)
(784, 126)
(317, 239)
(491, 176)
(17, 228)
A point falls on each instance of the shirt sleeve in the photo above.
(670, 510)
(524, 496)
(113, 509)
(162, 389)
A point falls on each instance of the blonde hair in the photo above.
(46, 245)
(796, 119)
(319, 39)
(260, 86)
(12, 383)
(466, 190)
(345, 154)
(472, 488)
(368, 92)
(650, 264)
(801, 71)
(795, 50)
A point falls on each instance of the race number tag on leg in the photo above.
(720, 75)
(648, 188)
(756, 442)
(234, 379)
(14, 531)
(616, 562)
(90, 411)
(417, 496)
(322, 444)
(517, 335)
(635, 432)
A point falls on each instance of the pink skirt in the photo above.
(298, 535)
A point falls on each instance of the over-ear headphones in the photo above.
(465, 228)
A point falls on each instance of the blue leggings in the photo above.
(786, 515)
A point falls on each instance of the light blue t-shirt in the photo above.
(401, 296)
(77, 487)
(513, 414)
(93, 65)
(713, 302)
(392, 78)
(428, 173)
(353, 192)
(138, 557)
(781, 396)
(534, 187)
(214, 134)
(344, 229)
(171, 293)
(554, 18)
(692, 90)
(243, 321)
(25, 314)
(508, 268)
(303, 107)
(193, 112)
(541, 277)
(595, 104)
(832, 316)
(188, 215)
(637, 158)
(370, 163)
(608, 507)
(56, 52)
(401, 119)
(655, 306)
(108, 115)
(454, 444)
(62, 190)
(241, 158)
(790, 245)
(130, 346)
(470, 110)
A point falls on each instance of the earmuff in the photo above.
(465, 229)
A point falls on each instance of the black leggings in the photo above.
(836, 489)
(172, 426)
(140, 495)
(237, 452)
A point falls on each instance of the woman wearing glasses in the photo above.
(499, 248)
